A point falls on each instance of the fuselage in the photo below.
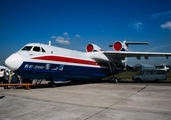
(40, 61)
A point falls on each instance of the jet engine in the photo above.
(120, 46)
(93, 48)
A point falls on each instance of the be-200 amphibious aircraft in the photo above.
(40, 61)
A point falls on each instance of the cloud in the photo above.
(65, 34)
(166, 25)
(137, 26)
(61, 40)
(166, 14)
(77, 35)
(159, 48)
(53, 36)
(64, 40)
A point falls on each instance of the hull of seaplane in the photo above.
(52, 65)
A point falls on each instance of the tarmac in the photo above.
(88, 101)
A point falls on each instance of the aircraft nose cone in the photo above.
(14, 61)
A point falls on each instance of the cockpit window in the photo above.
(27, 48)
(36, 49)
(43, 50)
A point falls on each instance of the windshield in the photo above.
(27, 48)
(140, 73)
(36, 49)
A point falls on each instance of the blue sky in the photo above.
(75, 23)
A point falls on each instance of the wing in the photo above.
(135, 54)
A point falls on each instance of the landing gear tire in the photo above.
(156, 80)
(114, 80)
(138, 80)
(52, 84)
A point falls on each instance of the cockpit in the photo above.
(34, 48)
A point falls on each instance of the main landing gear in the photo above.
(52, 84)
(114, 80)
(112, 69)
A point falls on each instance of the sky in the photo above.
(73, 24)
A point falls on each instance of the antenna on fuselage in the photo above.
(49, 43)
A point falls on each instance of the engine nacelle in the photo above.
(93, 48)
(120, 46)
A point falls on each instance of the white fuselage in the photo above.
(37, 60)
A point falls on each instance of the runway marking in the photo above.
(143, 88)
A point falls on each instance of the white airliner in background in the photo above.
(40, 61)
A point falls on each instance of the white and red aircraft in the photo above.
(40, 61)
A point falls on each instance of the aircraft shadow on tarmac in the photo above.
(64, 84)
(2, 97)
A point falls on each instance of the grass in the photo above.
(127, 77)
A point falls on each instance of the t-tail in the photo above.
(123, 46)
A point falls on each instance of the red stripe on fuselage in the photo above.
(70, 60)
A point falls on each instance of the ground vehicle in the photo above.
(150, 75)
